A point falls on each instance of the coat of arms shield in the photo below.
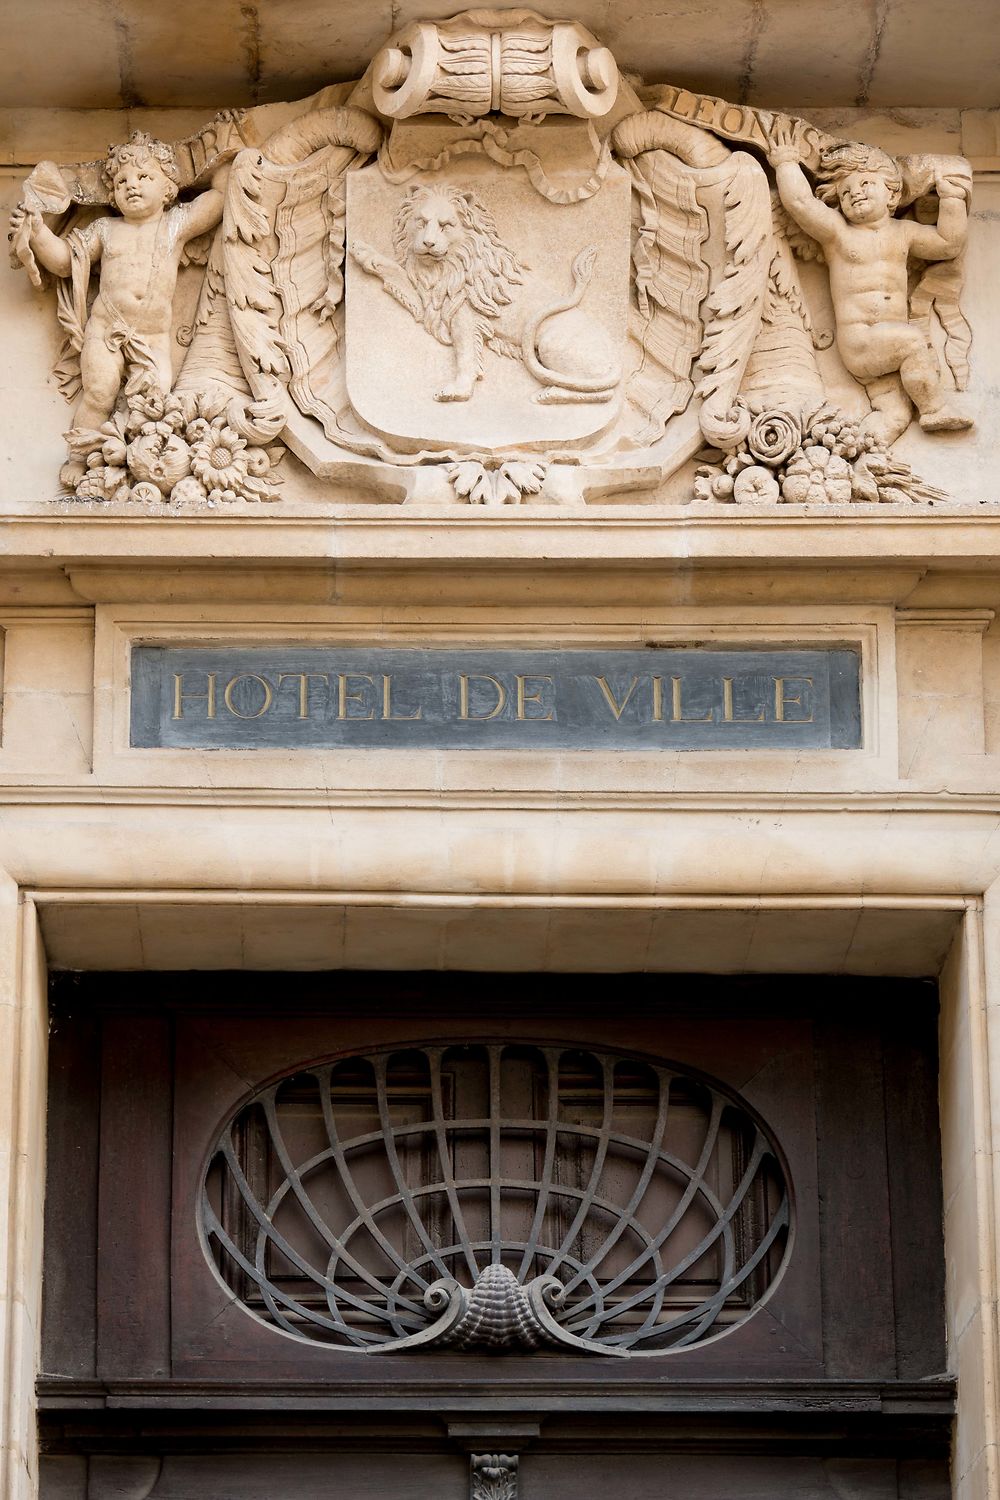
(481, 314)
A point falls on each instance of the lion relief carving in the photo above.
(456, 277)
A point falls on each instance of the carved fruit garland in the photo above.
(821, 459)
(182, 448)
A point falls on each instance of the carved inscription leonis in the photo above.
(358, 697)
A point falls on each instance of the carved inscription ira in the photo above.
(496, 271)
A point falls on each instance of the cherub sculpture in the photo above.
(868, 253)
(128, 327)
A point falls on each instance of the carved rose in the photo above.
(219, 459)
(755, 484)
(159, 460)
(817, 477)
(773, 437)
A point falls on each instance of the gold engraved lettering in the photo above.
(677, 716)
(304, 679)
(464, 678)
(783, 700)
(616, 708)
(387, 712)
(524, 697)
(227, 696)
(347, 694)
(180, 696)
(728, 717)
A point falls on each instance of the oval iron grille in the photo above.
(496, 1196)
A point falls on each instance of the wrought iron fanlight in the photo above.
(496, 1196)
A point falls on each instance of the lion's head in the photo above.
(448, 241)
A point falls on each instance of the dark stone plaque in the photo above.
(315, 697)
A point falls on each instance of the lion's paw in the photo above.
(454, 393)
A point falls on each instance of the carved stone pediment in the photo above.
(493, 271)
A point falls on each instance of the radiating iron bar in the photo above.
(722, 1226)
(723, 1218)
(434, 1056)
(496, 1164)
(510, 1184)
(512, 1245)
(405, 1195)
(639, 1299)
(293, 1174)
(600, 1157)
(338, 1151)
(656, 1157)
(339, 1251)
(214, 1227)
(553, 1058)
(267, 1229)
(709, 1147)
(718, 1297)
(695, 1176)
(524, 1126)
(654, 1149)
(293, 1182)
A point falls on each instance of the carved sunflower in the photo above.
(219, 459)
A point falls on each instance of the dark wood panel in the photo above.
(858, 1309)
(69, 1316)
(821, 1060)
(133, 1289)
(914, 1151)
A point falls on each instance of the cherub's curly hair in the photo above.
(838, 162)
(139, 146)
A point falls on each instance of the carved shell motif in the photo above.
(496, 1197)
(496, 1314)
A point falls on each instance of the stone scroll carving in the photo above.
(495, 271)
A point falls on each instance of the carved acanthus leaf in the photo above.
(493, 1476)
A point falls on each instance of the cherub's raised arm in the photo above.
(785, 156)
(805, 208)
(205, 211)
(944, 240)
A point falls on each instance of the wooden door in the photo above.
(507, 1237)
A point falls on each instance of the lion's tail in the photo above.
(509, 348)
